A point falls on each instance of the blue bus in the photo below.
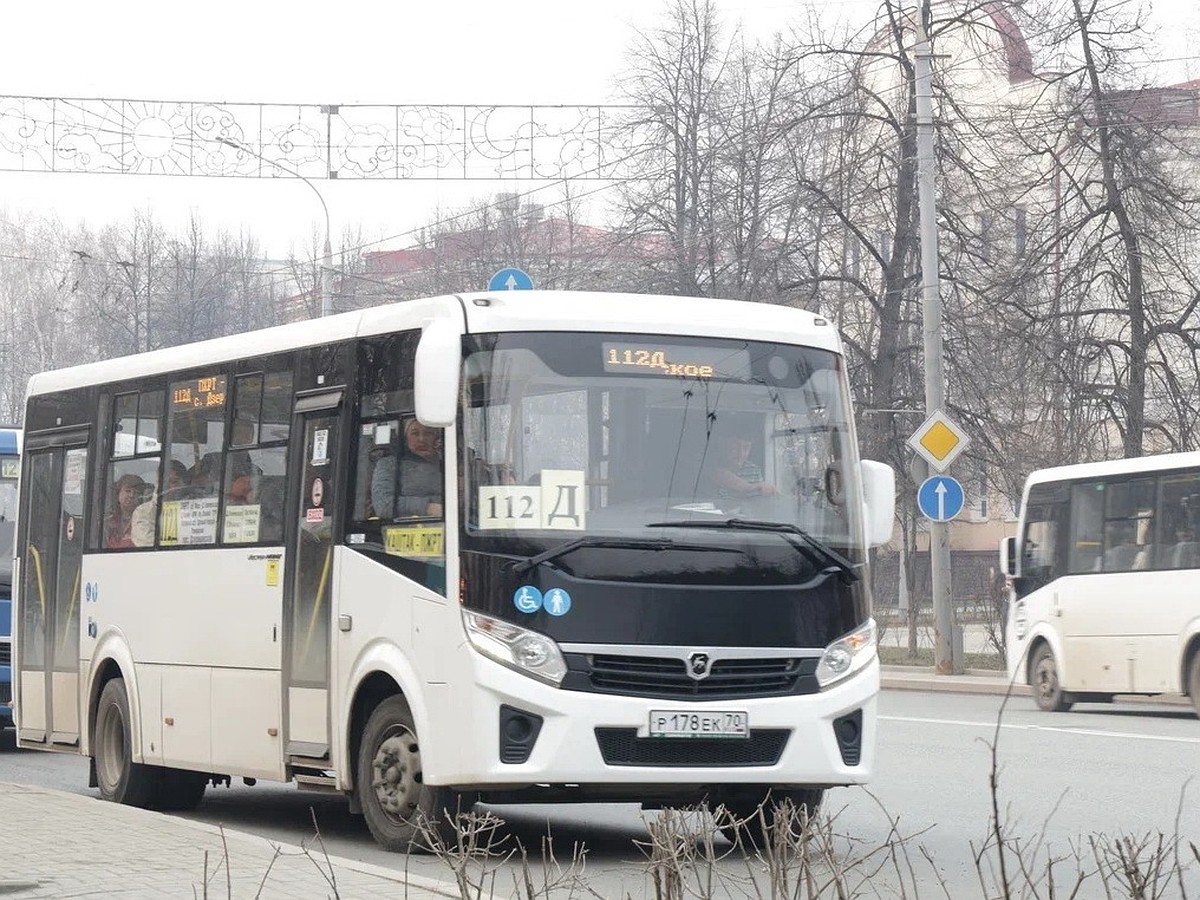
(10, 466)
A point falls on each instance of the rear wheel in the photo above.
(754, 821)
(1194, 680)
(402, 812)
(120, 779)
(1047, 690)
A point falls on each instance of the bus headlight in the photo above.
(529, 652)
(847, 655)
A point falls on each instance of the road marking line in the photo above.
(1089, 732)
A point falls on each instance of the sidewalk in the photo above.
(982, 681)
(65, 845)
(922, 678)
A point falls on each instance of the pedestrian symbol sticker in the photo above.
(527, 598)
(558, 602)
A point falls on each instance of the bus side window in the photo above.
(1128, 525)
(196, 437)
(1042, 545)
(256, 459)
(1179, 519)
(1087, 528)
(131, 498)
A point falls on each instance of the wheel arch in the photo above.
(110, 660)
(1044, 638)
(381, 671)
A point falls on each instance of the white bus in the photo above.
(515, 547)
(1106, 587)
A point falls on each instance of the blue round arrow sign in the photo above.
(510, 280)
(940, 498)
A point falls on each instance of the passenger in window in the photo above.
(240, 463)
(142, 524)
(205, 476)
(1121, 541)
(128, 493)
(420, 475)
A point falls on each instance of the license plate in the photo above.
(680, 723)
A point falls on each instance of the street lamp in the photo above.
(327, 260)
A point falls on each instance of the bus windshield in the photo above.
(611, 433)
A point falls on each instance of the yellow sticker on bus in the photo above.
(419, 541)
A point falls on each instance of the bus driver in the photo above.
(420, 481)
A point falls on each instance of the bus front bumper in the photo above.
(591, 739)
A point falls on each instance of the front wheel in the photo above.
(402, 812)
(757, 820)
(120, 779)
(1047, 690)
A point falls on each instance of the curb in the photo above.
(985, 682)
(952, 684)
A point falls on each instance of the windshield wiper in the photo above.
(811, 547)
(567, 546)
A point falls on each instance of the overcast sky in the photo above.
(453, 51)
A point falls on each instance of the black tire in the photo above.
(753, 823)
(120, 779)
(1043, 679)
(180, 790)
(1193, 681)
(402, 812)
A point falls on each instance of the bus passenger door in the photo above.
(309, 590)
(51, 567)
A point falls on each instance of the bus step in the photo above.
(325, 783)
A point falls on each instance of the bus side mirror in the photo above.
(438, 363)
(879, 501)
(1008, 556)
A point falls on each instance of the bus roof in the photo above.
(483, 312)
(1085, 471)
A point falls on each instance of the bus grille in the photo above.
(667, 677)
(622, 747)
(5, 654)
(5, 693)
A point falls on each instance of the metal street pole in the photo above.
(326, 287)
(931, 320)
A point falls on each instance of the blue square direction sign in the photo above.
(940, 498)
(510, 280)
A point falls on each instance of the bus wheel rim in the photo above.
(1047, 678)
(395, 774)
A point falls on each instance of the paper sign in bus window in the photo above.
(562, 499)
(320, 453)
(513, 506)
(241, 524)
(189, 522)
(419, 542)
(558, 502)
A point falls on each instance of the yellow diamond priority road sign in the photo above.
(938, 441)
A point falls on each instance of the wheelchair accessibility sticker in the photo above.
(527, 599)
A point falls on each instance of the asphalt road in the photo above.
(1100, 770)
